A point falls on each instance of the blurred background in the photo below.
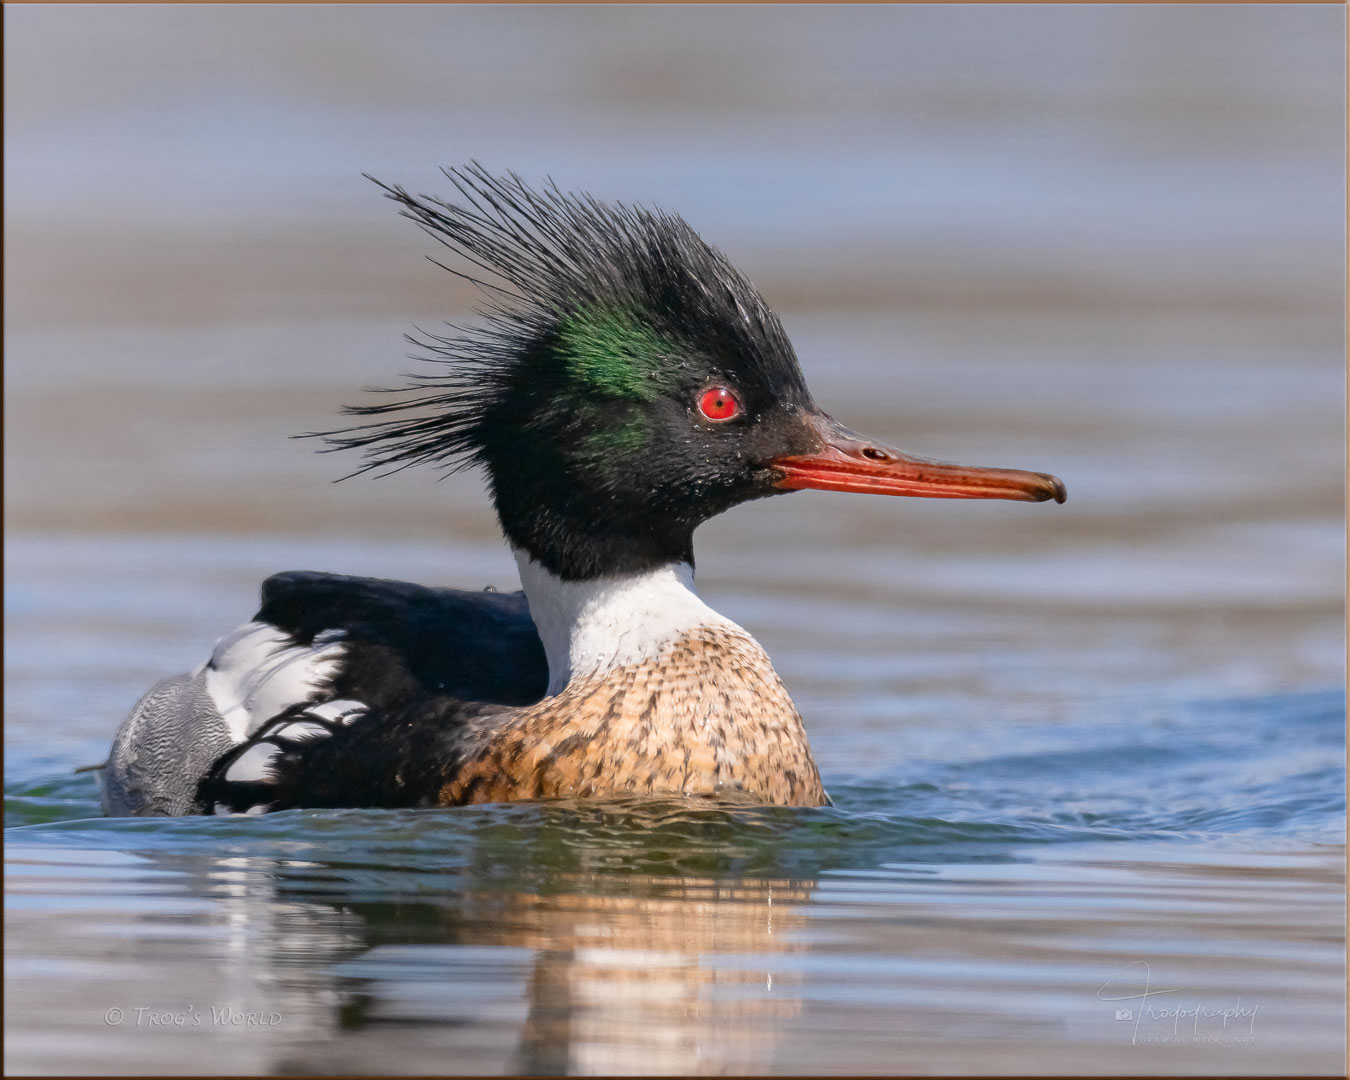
(1103, 241)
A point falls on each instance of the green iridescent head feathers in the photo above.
(594, 306)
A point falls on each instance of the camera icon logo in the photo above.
(1124, 1014)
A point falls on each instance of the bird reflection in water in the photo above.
(605, 940)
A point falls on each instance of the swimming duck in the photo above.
(626, 384)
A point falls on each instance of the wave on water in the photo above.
(1262, 773)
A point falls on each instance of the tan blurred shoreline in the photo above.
(114, 275)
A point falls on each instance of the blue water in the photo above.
(1003, 889)
(1034, 792)
(1220, 773)
(989, 874)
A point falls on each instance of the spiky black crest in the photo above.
(560, 260)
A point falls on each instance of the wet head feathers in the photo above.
(587, 303)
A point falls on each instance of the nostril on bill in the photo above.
(875, 454)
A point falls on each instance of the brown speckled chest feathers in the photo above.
(706, 715)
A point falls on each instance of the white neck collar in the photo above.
(592, 626)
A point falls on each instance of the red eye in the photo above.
(719, 403)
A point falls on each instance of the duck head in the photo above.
(625, 384)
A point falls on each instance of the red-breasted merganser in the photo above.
(627, 384)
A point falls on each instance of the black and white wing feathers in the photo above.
(405, 664)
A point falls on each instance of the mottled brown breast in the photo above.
(706, 715)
